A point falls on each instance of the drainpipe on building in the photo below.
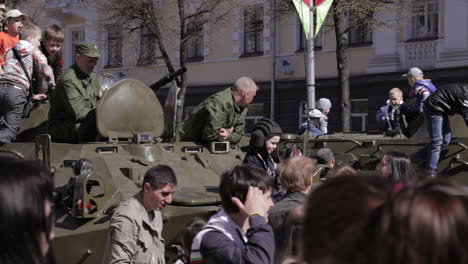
(273, 60)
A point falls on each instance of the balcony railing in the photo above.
(421, 54)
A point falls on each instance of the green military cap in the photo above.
(87, 49)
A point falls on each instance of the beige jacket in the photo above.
(133, 238)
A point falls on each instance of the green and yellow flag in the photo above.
(303, 10)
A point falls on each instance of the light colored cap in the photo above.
(324, 103)
(15, 13)
(415, 72)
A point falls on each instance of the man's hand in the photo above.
(224, 133)
(255, 202)
(37, 97)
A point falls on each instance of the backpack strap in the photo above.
(18, 57)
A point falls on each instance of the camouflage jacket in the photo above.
(133, 236)
(74, 97)
(220, 110)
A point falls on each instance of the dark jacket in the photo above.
(285, 231)
(56, 63)
(255, 159)
(450, 99)
(228, 243)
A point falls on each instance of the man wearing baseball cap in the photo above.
(14, 21)
(72, 114)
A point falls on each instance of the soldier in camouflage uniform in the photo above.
(72, 115)
(221, 117)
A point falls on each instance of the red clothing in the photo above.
(7, 42)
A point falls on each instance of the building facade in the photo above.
(433, 36)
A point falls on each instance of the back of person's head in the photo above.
(25, 195)
(423, 223)
(29, 30)
(191, 230)
(160, 176)
(296, 174)
(335, 207)
(236, 182)
(396, 166)
(244, 84)
(53, 33)
(324, 155)
(263, 130)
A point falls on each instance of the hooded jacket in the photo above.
(33, 59)
(223, 241)
(320, 120)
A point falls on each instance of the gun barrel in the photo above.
(167, 78)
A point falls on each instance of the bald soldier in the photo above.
(221, 117)
(72, 115)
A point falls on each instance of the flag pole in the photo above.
(310, 77)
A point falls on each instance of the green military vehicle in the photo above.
(364, 151)
(92, 178)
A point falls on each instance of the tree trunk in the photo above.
(182, 51)
(342, 67)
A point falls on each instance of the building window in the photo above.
(425, 19)
(254, 113)
(147, 47)
(194, 46)
(114, 46)
(77, 36)
(359, 113)
(318, 40)
(361, 35)
(253, 30)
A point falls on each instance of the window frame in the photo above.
(363, 115)
(427, 15)
(147, 52)
(257, 29)
(82, 37)
(358, 34)
(111, 29)
(197, 40)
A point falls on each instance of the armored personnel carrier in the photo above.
(364, 151)
(92, 178)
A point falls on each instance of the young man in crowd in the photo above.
(51, 45)
(135, 233)
(15, 83)
(239, 232)
(296, 176)
(14, 21)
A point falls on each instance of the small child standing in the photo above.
(14, 21)
(51, 45)
(15, 82)
(319, 119)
